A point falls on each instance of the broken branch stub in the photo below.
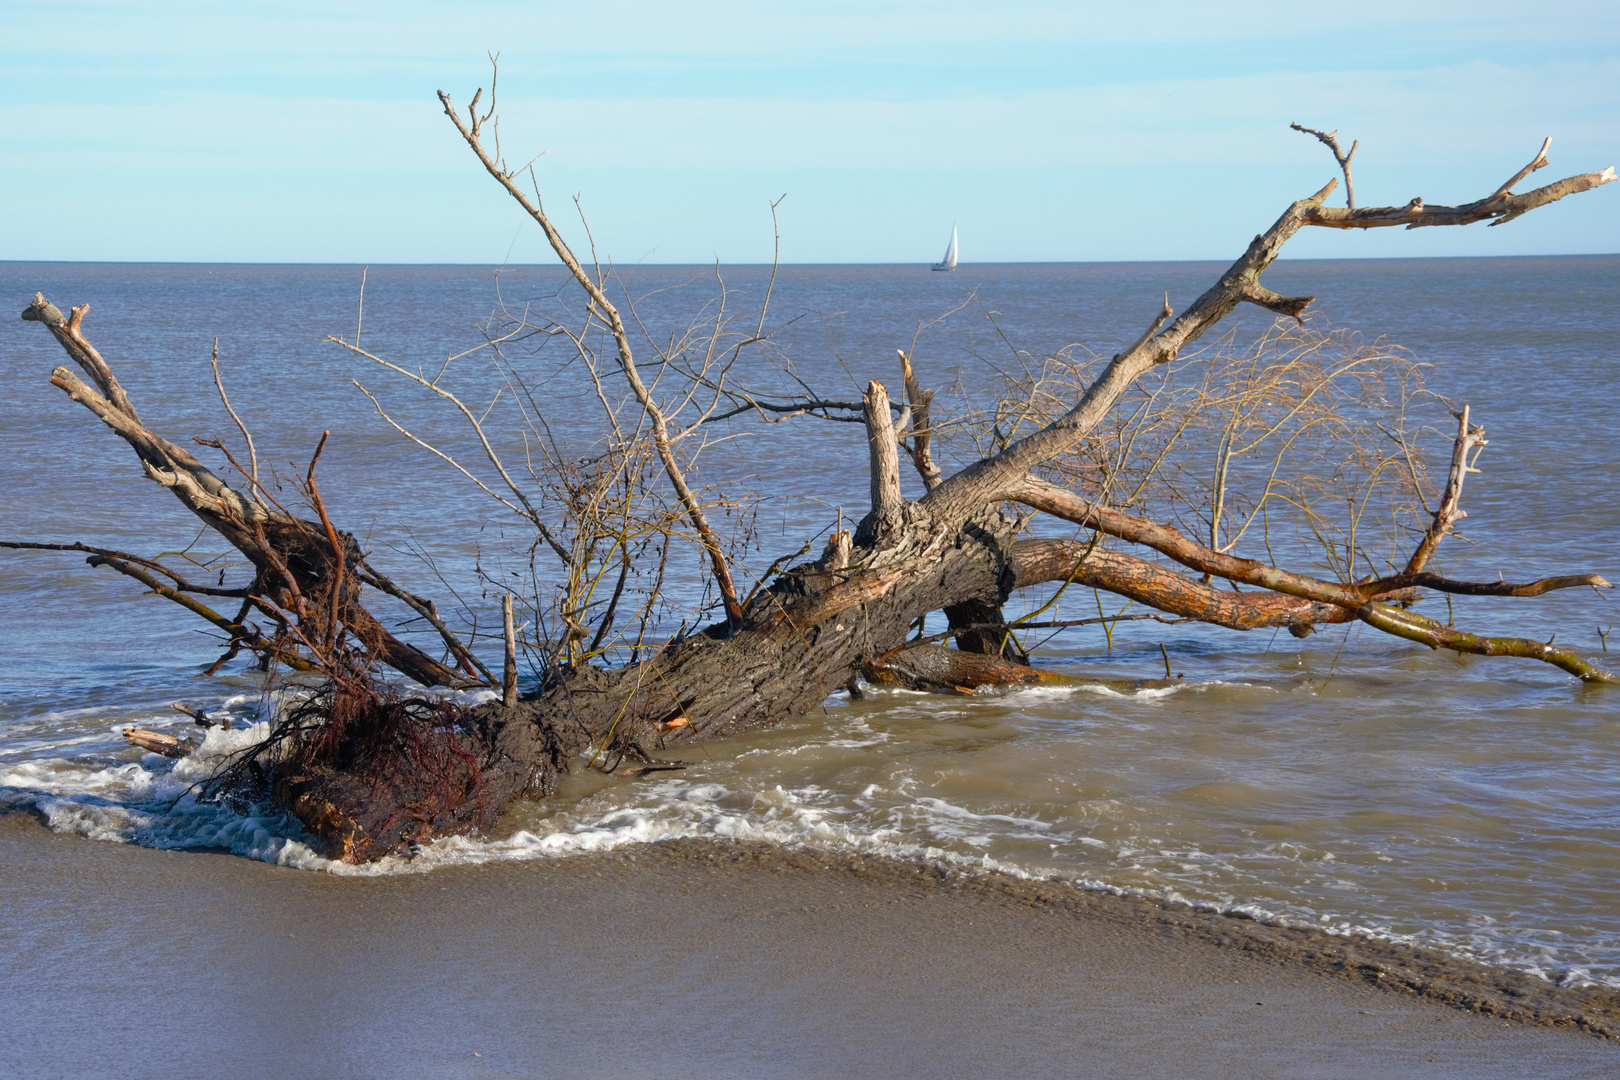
(884, 459)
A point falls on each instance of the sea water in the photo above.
(1349, 781)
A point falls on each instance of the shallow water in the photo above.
(1348, 781)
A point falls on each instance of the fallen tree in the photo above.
(371, 769)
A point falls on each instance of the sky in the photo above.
(310, 132)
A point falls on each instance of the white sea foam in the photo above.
(151, 801)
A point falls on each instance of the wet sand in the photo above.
(707, 960)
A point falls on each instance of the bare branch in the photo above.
(180, 582)
(1329, 139)
(1091, 566)
(1538, 587)
(604, 308)
(987, 480)
(335, 586)
(430, 612)
(509, 668)
(920, 402)
(1153, 328)
(1414, 627)
(1498, 208)
(1449, 513)
(1382, 616)
(253, 455)
(238, 631)
(1537, 162)
(69, 333)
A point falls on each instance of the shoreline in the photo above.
(1417, 971)
(703, 958)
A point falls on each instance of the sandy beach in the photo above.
(702, 959)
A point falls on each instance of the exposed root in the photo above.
(403, 767)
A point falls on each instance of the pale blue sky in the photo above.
(295, 131)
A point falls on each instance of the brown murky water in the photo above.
(1346, 782)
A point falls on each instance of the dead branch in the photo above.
(987, 480)
(523, 506)
(240, 633)
(1373, 611)
(920, 402)
(1448, 513)
(253, 454)
(1537, 162)
(429, 612)
(1330, 140)
(1539, 587)
(68, 333)
(884, 452)
(604, 308)
(1499, 207)
(157, 742)
(1425, 631)
(273, 540)
(1086, 564)
(180, 581)
(1153, 327)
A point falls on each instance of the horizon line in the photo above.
(919, 265)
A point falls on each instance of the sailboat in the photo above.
(949, 261)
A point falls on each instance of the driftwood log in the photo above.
(371, 773)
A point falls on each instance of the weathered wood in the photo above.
(1448, 513)
(931, 667)
(293, 555)
(1330, 140)
(884, 455)
(980, 627)
(158, 742)
(509, 667)
(921, 403)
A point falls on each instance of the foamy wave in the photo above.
(1160, 693)
(151, 801)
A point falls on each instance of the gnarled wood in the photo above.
(293, 556)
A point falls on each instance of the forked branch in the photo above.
(292, 556)
(992, 478)
(1499, 207)
(920, 402)
(1357, 601)
(604, 309)
(1448, 513)
(1330, 140)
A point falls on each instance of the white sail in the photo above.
(949, 261)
